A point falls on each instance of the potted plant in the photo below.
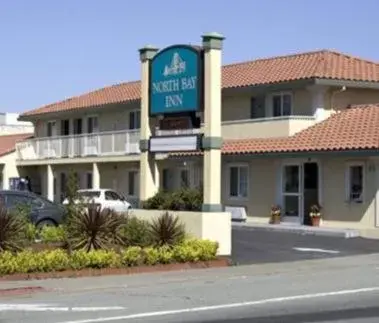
(315, 215)
(275, 214)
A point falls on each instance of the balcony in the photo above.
(266, 127)
(115, 143)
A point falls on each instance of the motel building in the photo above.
(296, 130)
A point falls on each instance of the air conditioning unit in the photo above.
(238, 213)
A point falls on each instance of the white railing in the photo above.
(113, 143)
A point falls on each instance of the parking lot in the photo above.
(252, 245)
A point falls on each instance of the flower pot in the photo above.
(276, 219)
(315, 221)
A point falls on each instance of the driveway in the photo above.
(252, 245)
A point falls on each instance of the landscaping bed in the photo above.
(92, 242)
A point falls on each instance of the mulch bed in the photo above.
(220, 262)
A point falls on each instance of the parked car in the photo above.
(42, 211)
(106, 198)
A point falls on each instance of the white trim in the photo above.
(347, 182)
(280, 93)
(238, 165)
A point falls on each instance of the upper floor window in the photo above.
(92, 124)
(135, 119)
(355, 182)
(281, 104)
(257, 107)
(51, 129)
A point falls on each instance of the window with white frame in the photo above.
(238, 181)
(92, 124)
(135, 119)
(355, 182)
(133, 183)
(281, 104)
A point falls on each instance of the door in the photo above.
(292, 193)
(91, 142)
(77, 140)
(311, 189)
(65, 131)
(50, 144)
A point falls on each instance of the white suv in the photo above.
(106, 198)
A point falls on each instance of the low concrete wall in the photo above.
(214, 226)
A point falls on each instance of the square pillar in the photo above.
(318, 100)
(212, 140)
(149, 174)
(95, 176)
(49, 183)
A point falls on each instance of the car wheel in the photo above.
(43, 223)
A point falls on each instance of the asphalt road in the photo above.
(251, 246)
(342, 289)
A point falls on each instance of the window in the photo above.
(238, 181)
(355, 183)
(65, 127)
(92, 125)
(51, 129)
(166, 179)
(78, 126)
(133, 183)
(257, 107)
(112, 196)
(281, 104)
(184, 178)
(89, 180)
(134, 119)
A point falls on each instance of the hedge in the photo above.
(29, 261)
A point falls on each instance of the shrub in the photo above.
(132, 256)
(167, 230)
(52, 234)
(30, 232)
(12, 230)
(57, 260)
(184, 199)
(94, 229)
(136, 233)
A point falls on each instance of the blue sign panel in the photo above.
(175, 78)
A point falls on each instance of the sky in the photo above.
(53, 50)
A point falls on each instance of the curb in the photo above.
(221, 262)
(21, 290)
(326, 232)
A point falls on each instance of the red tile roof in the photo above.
(317, 64)
(356, 128)
(8, 142)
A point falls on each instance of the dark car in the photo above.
(42, 211)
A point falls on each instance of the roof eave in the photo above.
(348, 83)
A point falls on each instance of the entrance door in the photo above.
(311, 189)
(292, 193)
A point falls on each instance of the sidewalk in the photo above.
(302, 229)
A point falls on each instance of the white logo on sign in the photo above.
(178, 66)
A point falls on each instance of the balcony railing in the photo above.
(113, 143)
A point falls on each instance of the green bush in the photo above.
(136, 233)
(58, 259)
(52, 234)
(184, 199)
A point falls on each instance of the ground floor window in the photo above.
(355, 182)
(166, 179)
(133, 183)
(238, 181)
(184, 178)
(89, 180)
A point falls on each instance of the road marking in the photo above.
(226, 306)
(317, 250)
(50, 308)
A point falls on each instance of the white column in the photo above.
(318, 100)
(149, 173)
(49, 183)
(95, 176)
(212, 141)
(5, 178)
